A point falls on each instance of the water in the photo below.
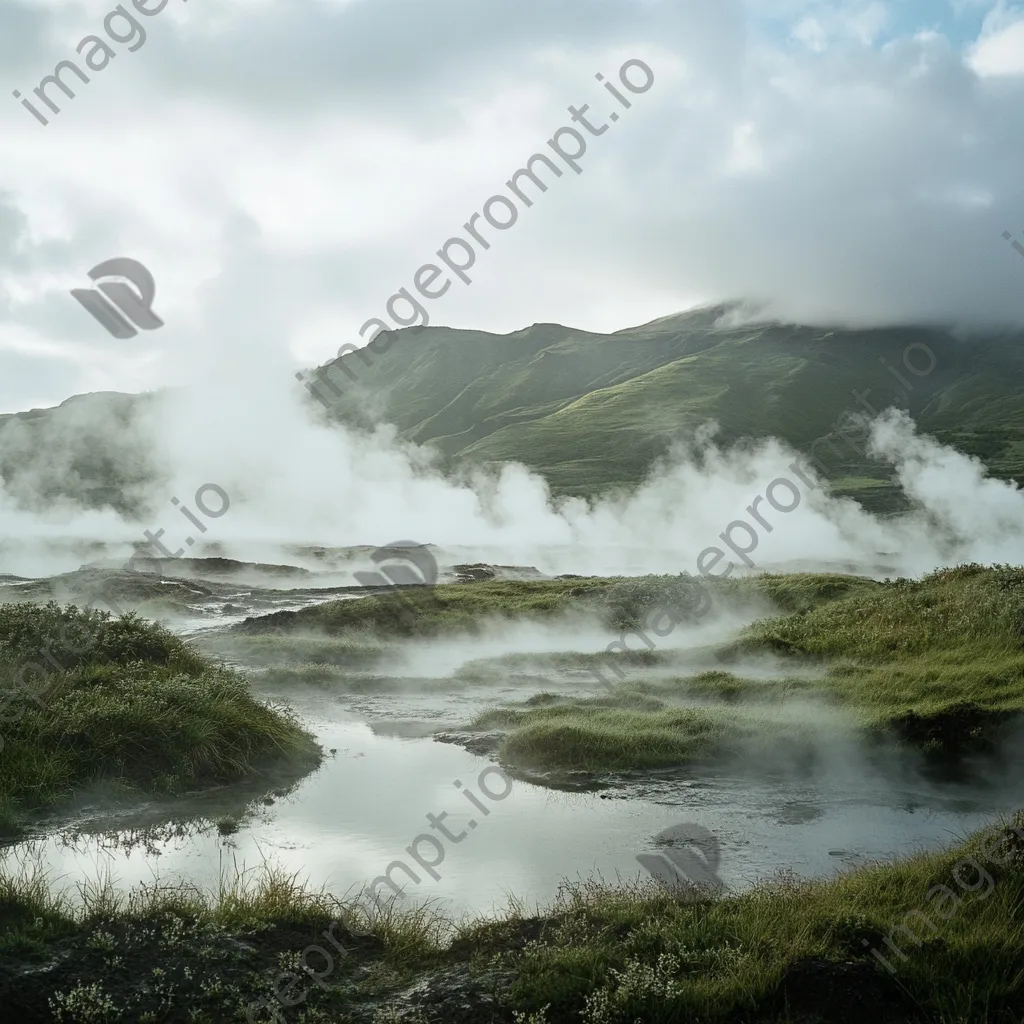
(344, 824)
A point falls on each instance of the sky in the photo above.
(284, 167)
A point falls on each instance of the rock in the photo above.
(456, 995)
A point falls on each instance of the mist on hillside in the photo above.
(293, 479)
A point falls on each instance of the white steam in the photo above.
(295, 481)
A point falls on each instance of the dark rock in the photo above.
(815, 991)
(483, 743)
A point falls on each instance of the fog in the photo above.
(294, 480)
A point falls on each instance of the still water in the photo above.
(344, 824)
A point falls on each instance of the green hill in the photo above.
(593, 412)
(92, 449)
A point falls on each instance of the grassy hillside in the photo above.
(594, 411)
(98, 453)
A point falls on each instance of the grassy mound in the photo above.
(426, 611)
(66, 638)
(291, 656)
(950, 644)
(123, 703)
(627, 731)
(967, 612)
(800, 592)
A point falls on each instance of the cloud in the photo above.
(328, 149)
(812, 34)
(1000, 51)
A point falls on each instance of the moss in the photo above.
(936, 663)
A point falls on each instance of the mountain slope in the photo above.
(594, 411)
(591, 412)
(91, 449)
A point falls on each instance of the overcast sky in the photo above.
(283, 167)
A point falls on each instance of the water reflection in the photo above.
(366, 805)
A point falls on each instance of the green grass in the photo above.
(636, 953)
(76, 637)
(788, 951)
(725, 686)
(593, 412)
(35, 912)
(799, 592)
(629, 731)
(963, 612)
(354, 650)
(451, 607)
(180, 953)
(617, 603)
(937, 663)
(951, 643)
(135, 709)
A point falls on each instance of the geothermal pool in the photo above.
(344, 824)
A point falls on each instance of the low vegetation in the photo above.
(616, 603)
(429, 611)
(784, 952)
(121, 704)
(275, 650)
(937, 663)
(632, 731)
(788, 950)
(923, 656)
